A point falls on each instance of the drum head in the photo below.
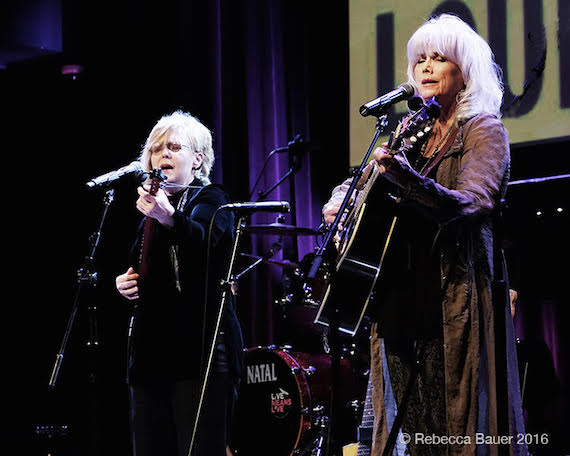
(272, 409)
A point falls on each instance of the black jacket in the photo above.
(174, 318)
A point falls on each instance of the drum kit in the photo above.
(284, 404)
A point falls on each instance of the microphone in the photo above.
(379, 105)
(263, 206)
(110, 177)
(292, 145)
(415, 103)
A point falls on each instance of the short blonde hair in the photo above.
(450, 37)
(199, 138)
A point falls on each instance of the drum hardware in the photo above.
(322, 425)
(275, 248)
(286, 299)
(285, 264)
(318, 410)
(286, 394)
(310, 370)
(313, 290)
(352, 350)
(281, 229)
(307, 370)
(316, 446)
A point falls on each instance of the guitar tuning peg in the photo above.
(420, 134)
(413, 139)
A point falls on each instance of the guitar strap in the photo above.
(174, 247)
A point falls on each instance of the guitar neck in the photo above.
(156, 177)
(148, 230)
(363, 447)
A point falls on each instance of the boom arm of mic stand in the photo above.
(263, 195)
(381, 123)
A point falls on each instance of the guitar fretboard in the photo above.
(366, 424)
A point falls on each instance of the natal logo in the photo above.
(261, 373)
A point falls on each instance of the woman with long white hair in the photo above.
(433, 317)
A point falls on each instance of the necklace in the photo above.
(429, 160)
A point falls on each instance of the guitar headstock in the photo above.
(418, 125)
(156, 177)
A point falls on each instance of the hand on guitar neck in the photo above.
(156, 206)
(394, 167)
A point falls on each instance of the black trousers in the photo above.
(162, 416)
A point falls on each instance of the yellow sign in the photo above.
(525, 43)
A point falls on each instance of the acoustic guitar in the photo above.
(361, 245)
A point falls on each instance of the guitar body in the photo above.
(369, 227)
(360, 259)
(350, 449)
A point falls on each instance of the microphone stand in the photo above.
(501, 308)
(326, 249)
(381, 123)
(292, 250)
(87, 276)
(226, 287)
(294, 165)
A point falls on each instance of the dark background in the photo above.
(216, 60)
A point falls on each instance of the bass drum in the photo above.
(279, 400)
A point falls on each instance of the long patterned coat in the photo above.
(469, 184)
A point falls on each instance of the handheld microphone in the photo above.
(263, 206)
(379, 105)
(110, 177)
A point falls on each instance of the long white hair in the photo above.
(199, 138)
(452, 38)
